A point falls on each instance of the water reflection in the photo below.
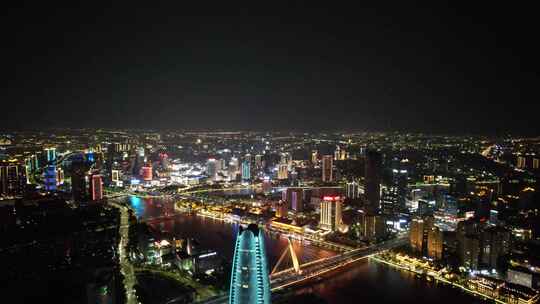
(364, 282)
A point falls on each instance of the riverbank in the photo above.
(432, 275)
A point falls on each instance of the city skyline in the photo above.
(270, 152)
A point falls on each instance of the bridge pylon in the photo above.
(294, 258)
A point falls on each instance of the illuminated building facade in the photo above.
(96, 187)
(435, 243)
(146, 173)
(327, 164)
(330, 213)
(314, 157)
(211, 168)
(372, 227)
(521, 162)
(419, 234)
(246, 171)
(12, 178)
(50, 153)
(250, 283)
(294, 199)
(283, 173)
(281, 209)
(50, 178)
(115, 176)
(352, 190)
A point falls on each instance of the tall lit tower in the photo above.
(314, 157)
(211, 168)
(250, 283)
(50, 178)
(246, 170)
(282, 172)
(327, 163)
(51, 155)
(330, 213)
(96, 187)
(12, 178)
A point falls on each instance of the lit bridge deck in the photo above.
(289, 278)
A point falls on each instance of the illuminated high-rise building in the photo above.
(115, 176)
(250, 282)
(435, 243)
(495, 243)
(146, 173)
(521, 162)
(233, 168)
(372, 176)
(258, 161)
(281, 209)
(419, 232)
(330, 213)
(211, 168)
(372, 226)
(327, 168)
(295, 199)
(286, 159)
(12, 178)
(352, 190)
(337, 153)
(50, 178)
(50, 154)
(267, 185)
(122, 147)
(96, 187)
(59, 176)
(314, 157)
(246, 171)
(283, 172)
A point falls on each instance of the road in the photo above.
(125, 265)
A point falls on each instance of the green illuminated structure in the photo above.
(249, 278)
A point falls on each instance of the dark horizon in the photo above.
(455, 70)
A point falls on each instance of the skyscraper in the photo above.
(281, 209)
(146, 172)
(96, 187)
(373, 179)
(250, 282)
(314, 157)
(282, 172)
(211, 168)
(12, 178)
(418, 237)
(521, 162)
(327, 164)
(50, 178)
(246, 171)
(295, 199)
(51, 155)
(330, 213)
(258, 161)
(352, 190)
(337, 153)
(435, 243)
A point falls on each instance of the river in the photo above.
(365, 281)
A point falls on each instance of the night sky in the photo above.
(272, 67)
